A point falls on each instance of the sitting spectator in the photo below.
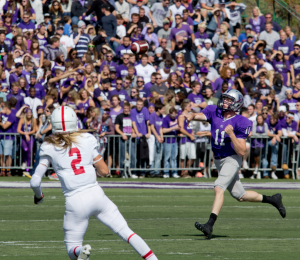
(290, 101)
(269, 36)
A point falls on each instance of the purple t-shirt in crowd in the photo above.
(27, 27)
(184, 31)
(190, 7)
(11, 129)
(286, 47)
(113, 114)
(196, 99)
(111, 65)
(200, 38)
(274, 128)
(168, 123)
(291, 128)
(144, 93)
(218, 84)
(157, 121)
(122, 71)
(18, 97)
(40, 92)
(121, 50)
(140, 118)
(292, 104)
(123, 95)
(295, 61)
(282, 69)
(221, 142)
(147, 86)
(295, 91)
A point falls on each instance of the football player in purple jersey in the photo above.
(228, 138)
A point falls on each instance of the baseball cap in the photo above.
(203, 70)
(206, 60)
(249, 35)
(232, 65)
(80, 71)
(60, 28)
(278, 84)
(106, 6)
(112, 69)
(282, 108)
(208, 41)
(248, 26)
(81, 24)
(105, 81)
(33, 75)
(260, 56)
(166, 21)
(48, 15)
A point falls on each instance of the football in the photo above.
(139, 47)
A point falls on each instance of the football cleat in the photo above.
(38, 200)
(85, 253)
(205, 229)
(277, 198)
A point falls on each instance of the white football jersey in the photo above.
(74, 167)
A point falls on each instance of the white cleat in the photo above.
(85, 253)
(241, 176)
(258, 176)
(245, 165)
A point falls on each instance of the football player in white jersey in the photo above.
(72, 155)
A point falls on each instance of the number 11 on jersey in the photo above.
(217, 137)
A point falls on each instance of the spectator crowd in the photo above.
(78, 54)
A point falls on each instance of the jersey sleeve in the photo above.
(243, 128)
(208, 112)
(44, 155)
(94, 145)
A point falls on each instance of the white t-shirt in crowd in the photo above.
(145, 72)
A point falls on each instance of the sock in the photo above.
(268, 199)
(141, 247)
(212, 219)
(74, 252)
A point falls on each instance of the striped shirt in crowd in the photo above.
(82, 44)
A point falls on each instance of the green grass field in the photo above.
(164, 218)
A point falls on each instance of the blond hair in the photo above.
(258, 11)
(63, 141)
(171, 103)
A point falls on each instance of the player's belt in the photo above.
(220, 157)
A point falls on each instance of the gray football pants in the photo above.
(228, 171)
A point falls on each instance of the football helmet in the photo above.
(64, 120)
(236, 97)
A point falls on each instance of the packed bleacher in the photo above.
(78, 54)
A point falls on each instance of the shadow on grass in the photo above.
(204, 237)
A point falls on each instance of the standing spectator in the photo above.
(289, 129)
(109, 24)
(176, 8)
(7, 126)
(260, 129)
(158, 12)
(81, 39)
(246, 73)
(123, 9)
(187, 144)
(234, 14)
(207, 51)
(155, 122)
(274, 133)
(121, 93)
(214, 20)
(14, 76)
(51, 49)
(170, 127)
(282, 66)
(56, 13)
(195, 97)
(144, 69)
(26, 25)
(140, 124)
(219, 38)
(269, 36)
(32, 101)
(123, 127)
(79, 8)
(208, 6)
(26, 128)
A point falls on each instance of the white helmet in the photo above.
(235, 96)
(64, 120)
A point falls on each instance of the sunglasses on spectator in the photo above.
(230, 58)
(91, 46)
(163, 41)
(264, 113)
(125, 58)
(109, 56)
(119, 84)
(55, 5)
(188, 67)
(157, 78)
(289, 93)
(133, 92)
(94, 76)
(47, 111)
(140, 81)
(296, 48)
(126, 82)
(268, 17)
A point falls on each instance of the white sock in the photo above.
(141, 247)
(75, 251)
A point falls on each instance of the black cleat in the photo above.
(205, 229)
(277, 198)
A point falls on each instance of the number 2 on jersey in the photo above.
(80, 170)
(217, 137)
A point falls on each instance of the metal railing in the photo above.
(171, 156)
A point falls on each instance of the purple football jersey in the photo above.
(220, 141)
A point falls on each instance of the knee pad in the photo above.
(125, 233)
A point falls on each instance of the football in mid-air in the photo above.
(139, 47)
